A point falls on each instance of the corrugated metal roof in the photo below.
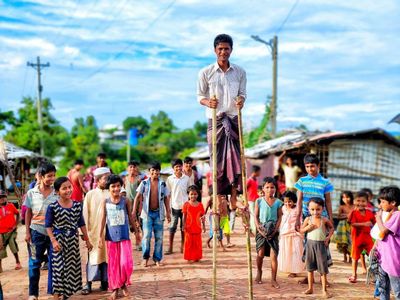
(15, 152)
(297, 139)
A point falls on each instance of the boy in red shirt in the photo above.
(9, 217)
(361, 220)
(252, 194)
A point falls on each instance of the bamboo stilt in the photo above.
(214, 195)
(244, 187)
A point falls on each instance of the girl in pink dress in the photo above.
(290, 240)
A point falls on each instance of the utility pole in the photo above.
(38, 66)
(273, 48)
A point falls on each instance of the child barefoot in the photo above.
(317, 244)
(268, 215)
(361, 220)
(343, 230)
(193, 212)
(290, 240)
(222, 211)
(116, 221)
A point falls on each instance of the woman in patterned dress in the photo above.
(63, 218)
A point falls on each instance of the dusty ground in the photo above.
(180, 280)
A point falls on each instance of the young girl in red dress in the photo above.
(193, 220)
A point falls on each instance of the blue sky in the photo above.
(338, 67)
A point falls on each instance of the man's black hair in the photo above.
(223, 38)
(188, 160)
(45, 168)
(101, 155)
(176, 162)
(311, 158)
(133, 163)
(79, 162)
(113, 179)
(155, 165)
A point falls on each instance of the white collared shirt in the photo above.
(178, 187)
(226, 86)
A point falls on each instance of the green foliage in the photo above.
(200, 129)
(117, 166)
(84, 142)
(161, 140)
(262, 132)
(25, 131)
(139, 123)
(6, 117)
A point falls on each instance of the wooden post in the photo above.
(245, 217)
(215, 205)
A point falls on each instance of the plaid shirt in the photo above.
(163, 192)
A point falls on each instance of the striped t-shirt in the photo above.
(38, 204)
(313, 187)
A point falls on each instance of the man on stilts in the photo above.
(222, 86)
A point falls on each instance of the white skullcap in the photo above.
(101, 171)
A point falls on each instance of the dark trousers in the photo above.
(36, 250)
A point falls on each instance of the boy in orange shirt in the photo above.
(9, 217)
(361, 220)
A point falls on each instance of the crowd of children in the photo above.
(293, 230)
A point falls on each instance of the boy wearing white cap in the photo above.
(93, 210)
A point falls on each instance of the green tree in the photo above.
(25, 131)
(6, 117)
(84, 142)
(200, 129)
(139, 123)
(262, 132)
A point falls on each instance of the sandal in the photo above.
(86, 290)
(352, 279)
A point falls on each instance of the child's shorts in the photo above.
(219, 235)
(357, 249)
(224, 224)
(9, 239)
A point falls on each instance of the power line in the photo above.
(130, 44)
(108, 24)
(287, 17)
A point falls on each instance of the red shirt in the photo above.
(7, 218)
(252, 188)
(358, 234)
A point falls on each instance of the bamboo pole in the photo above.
(245, 216)
(214, 195)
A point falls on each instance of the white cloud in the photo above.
(71, 51)
(337, 63)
